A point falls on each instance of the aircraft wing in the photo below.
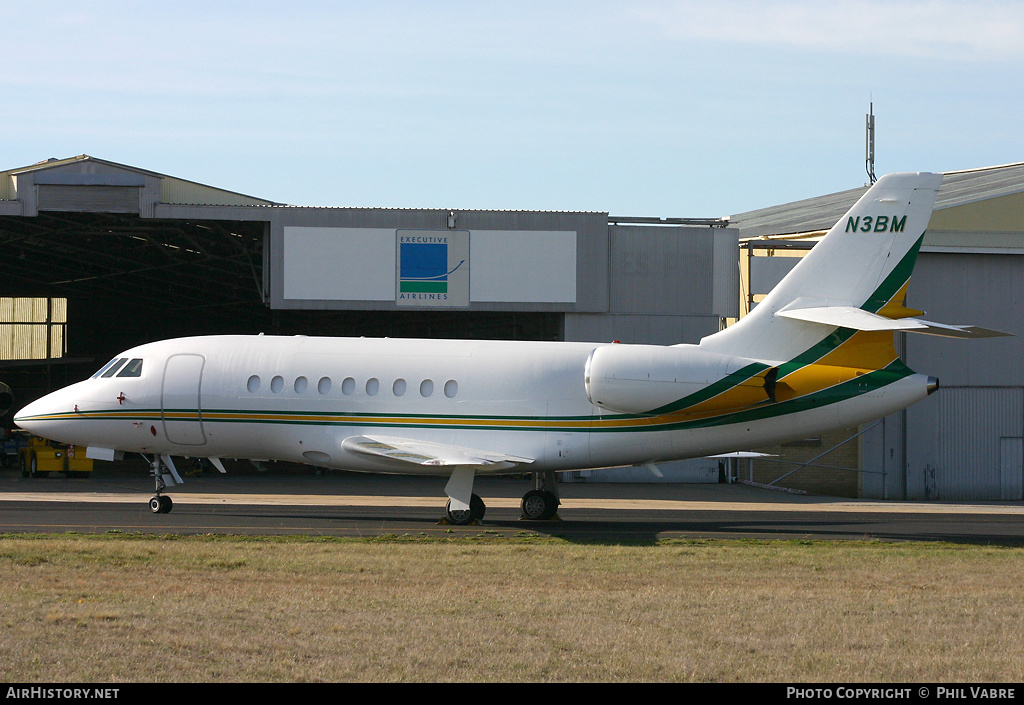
(403, 452)
(859, 319)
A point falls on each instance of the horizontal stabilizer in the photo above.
(859, 319)
(749, 454)
(407, 451)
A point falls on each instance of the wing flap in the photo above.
(859, 319)
(407, 451)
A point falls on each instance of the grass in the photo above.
(125, 608)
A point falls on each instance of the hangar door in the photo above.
(180, 404)
(979, 444)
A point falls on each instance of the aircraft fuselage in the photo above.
(298, 398)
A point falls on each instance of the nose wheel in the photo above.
(163, 474)
(160, 504)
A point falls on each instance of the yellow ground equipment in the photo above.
(40, 457)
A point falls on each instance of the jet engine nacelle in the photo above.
(6, 398)
(638, 379)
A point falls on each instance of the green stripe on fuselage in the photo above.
(713, 390)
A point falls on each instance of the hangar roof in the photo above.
(958, 188)
(96, 247)
(172, 189)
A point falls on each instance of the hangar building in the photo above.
(964, 442)
(100, 256)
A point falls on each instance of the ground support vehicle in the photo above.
(41, 457)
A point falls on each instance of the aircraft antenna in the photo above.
(869, 143)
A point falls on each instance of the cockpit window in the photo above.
(104, 368)
(132, 369)
(114, 368)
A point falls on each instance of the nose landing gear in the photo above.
(164, 475)
(160, 504)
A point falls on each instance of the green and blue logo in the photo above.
(433, 268)
(424, 267)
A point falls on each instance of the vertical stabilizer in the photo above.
(864, 262)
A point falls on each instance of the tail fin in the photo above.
(854, 278)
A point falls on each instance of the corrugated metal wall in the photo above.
(32, 328)
(666, 285)
(975, 433)
(103, 199)
(962, 443)
(673, 271)
(660, 271)
(186, 192)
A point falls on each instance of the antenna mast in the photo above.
(869, 143)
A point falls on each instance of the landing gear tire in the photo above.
(539, 505)
(161, 504)
(462, 517)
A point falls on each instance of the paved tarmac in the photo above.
(289, 500)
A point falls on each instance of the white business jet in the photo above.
(816, 354)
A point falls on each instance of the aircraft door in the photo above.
(180, 403)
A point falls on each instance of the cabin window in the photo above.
(324, 385)
(300, 385)
(132, 369)
(398, 387)
(115, 367)
(277, 384)
(348, 386)
(426, 387)
(372, 386)
(451, 388)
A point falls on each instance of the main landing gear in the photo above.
(462, 517)
(539, 504)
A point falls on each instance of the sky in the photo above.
(640, 108)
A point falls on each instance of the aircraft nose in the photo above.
(41, 416)
(26, 417)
